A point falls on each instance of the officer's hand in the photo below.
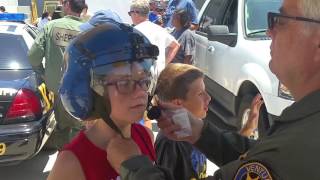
(120, 150)
(170, 129)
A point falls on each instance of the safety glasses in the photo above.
(128, 86)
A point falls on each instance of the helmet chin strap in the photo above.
(103, 110)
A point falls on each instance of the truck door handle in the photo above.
(211, 48)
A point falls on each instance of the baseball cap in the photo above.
(100, 17)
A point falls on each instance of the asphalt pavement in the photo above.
(36, 168)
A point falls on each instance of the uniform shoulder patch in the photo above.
(253, 171)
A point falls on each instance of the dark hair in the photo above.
(76, 5)
(174, 80)
(85, 6)
(2, 8)
(45, 15)
(58, 8)
(56, 15)
(185, 17)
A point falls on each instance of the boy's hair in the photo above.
(174, 80)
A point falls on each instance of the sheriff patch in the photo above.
(62, 37)
(253, 171)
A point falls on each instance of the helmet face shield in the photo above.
(125, 76)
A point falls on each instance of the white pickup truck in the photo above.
(234, 52)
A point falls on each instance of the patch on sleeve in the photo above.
(253, 171)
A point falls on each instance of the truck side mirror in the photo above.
(221, 34)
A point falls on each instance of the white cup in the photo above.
(180, 117)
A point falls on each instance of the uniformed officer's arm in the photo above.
(125, 157)
(221, 146)
(140, 167)
(37, 52)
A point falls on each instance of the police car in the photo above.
(26, 115)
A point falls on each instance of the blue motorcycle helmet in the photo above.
(93, 55)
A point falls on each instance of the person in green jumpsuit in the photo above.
(50, 46)
(290, 150)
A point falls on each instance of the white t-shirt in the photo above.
(158, 36)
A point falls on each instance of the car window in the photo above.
(213, 14)
(256, 15)
(13, 52)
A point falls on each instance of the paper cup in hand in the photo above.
(180, 117)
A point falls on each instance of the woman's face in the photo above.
(128, 107)
(197, 99)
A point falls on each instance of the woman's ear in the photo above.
(177, 102)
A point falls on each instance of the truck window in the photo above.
(230, 17)
(256, 15)
(213, 14)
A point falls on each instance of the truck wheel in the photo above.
(243, 115)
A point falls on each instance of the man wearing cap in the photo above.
(157, 9)
(188, 5)
(51, 44)
(100, 17)
(157, 35)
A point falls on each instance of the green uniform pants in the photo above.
(67, 126)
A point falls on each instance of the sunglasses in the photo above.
(160, 10)
(275, 19)
(129, 85)
(130, 12)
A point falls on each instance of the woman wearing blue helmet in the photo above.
(108, 75)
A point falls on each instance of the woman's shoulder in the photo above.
(67, 157)
(66, 166)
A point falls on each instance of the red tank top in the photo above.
(94, 161)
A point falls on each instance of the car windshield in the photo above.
(256, 15)
(13, 52)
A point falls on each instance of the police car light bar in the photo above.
(20, 17)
